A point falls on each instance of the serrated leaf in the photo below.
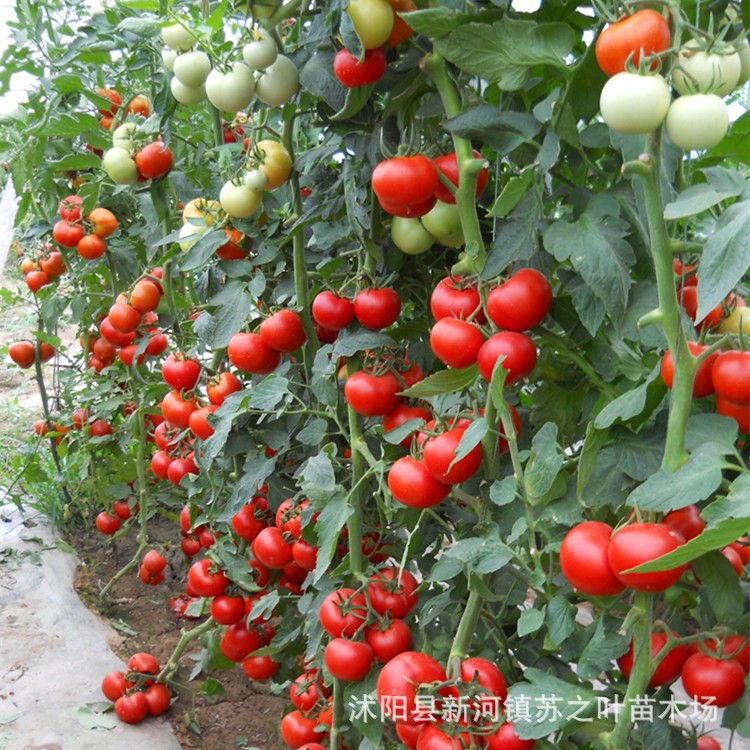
(360, 341)
(331, 520)
(503, 131)
(560, 617)
(505, 51)
(445, 381)
(485, 554)
(721, 585)
(90, 719)
(512, 194)
(736, 504)
(545, 463)
(269, 393)
(504, 491)
(222, 421)
(595, 244)
(630, 404)
(434, 22)
(723, 533)
(594, 441)
(395, 436)
(704, 428)
(74, 162)
(725, 257)
(529, 622)
(601, 650)
(696, 199)
(317, 478)
(696, 480)
(471, 437)
(313, 432)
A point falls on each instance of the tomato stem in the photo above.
(185, 639)
(356, 496)
(338, 714)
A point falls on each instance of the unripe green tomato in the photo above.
(373, 21)
(697, 121)
(410, 236)
(633, 103)
(232, 91)
(122, 136)
(120, 166)
(168, 56)
(443, 221)
(185, 94)
(239, 201)
(278, 83)
(738, 320)
(255, 179)
(743, 50)
(177, 37)
(699, 72)
(260, 53)
(192, 68)
(190, 234)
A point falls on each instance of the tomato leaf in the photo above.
(270, 393)
(736, 504)
(360, 341)
(331, 520)
(530, 621)
(317, 478)
(89, 718)
(512, 194)
(515, 239)
(395, 436)
(666, 490)
(604, 646)
(313, 432)
(222, 424)
(630, 404)
(485, 554)
(506, 51)
(435, 22)
(699, 198)
(704, 428)
(592, 444)
(721, 585)
(545, 463)
(445, 381)
(503, 131)
(560, 617)
(504, 491)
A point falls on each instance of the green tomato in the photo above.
(190, 234)
(233, 91)
(239, 201)
(699, 72)
(120, 166)
(122, 137)
(743, 50)
(260, 53)
(168, 57)
(278, 83)
(697, 121)
(373, 21)
(192, 68)
(633, 103)
(186, 94)
(443, 221)
(177, 37)
(255, 179)
(737, 321)
(410, 236)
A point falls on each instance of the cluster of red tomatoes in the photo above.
(410, 186)
(24, 353)
(84, 233)
(129, 320)
(378, 27)
(135, 693)
(109, 523)
(44, 269)
(594, 559)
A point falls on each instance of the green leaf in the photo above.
(313, 432)
(394, 437)
(360, 341)
(551, 701)
(529, 622)
(503, 131)
(723, 533)
(721, 585)
(725, 257)
(696, 480)
(434, 22)
(515, 239)
(269, 393)
(331, 520)
(89, 718)
(695, 199)
(144, 25)
(736, 504)
(605, 645)
(481, 554)
(229, 319)
(505, 51)
(470, 439)
(512, 194)
(704, 428)
(504, 491)
(545, 463)
(445, 381)
(222, 421)
(594, 441)
(317, 478)
(595, 244)
(630, 404)
(74, 162)
(561, 615)
(255, 471)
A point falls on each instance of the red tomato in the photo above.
(733, 646)
(448, 165)
(343, 612)
(283, 331)
(206, 579)
(132, 709)
(731, 376)
(227, 610)
(123, 318)
(180, 372)
(298, 729)
(114, 336)
(114, 685)
(521, 302)
(735, 560)
(702, 385)
(456, 298)
(177, 410)
(198, 422)
(160, 463)
(221, 385)
(67, 234)
(304, 554)
(154, 561)
(433, 737)
(270, 548)
(158, 698)
(250, 353)
(638, 543)
(306, 690)
(331, 311)
(405, 180)
(409, 734)
(154, 161)
(401, 678)
(518, 351)
(390, 641)
(408, 210)
(260, 667)
(707, 743)
(401, 414)
(584, 559)
(687, 296)
(238, 641)
(740, 413)
(393, 591)
(687, 521)
(488, 675)
(377, 308)
(351, 73)
(717, 682)
(455, 342)
(669, 667)
(412, 484)
(107, 523)
(70, 208)
(251, 519)
(144, 663)
(439, 457)
(506, 739)
(645, 32)
(348, 660)
(372, 395)
(114, 98)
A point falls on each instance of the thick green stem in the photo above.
(186, 637)
(356, 496)
(338, 714)
(640, 674)
(469, 167)
(466, 629)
